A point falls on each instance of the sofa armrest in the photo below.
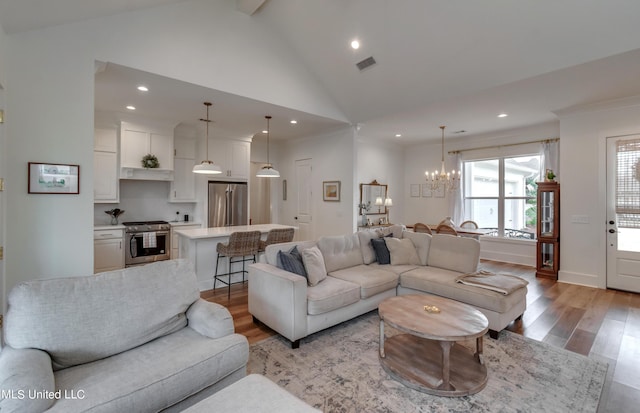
(278, 298)
(22, 371)
(210, 319)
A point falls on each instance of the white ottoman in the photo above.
(251, 394)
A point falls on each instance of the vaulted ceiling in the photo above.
(453, 62)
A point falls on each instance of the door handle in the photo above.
(612, 222)
(612, 231)
(296, 218)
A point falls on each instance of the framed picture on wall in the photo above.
(414, 190)
(426, 191)
(53, 178)
(331, 191)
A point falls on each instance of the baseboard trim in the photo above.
(587, 280)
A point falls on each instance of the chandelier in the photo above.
(445, 180)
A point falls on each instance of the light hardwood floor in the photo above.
(601, 324)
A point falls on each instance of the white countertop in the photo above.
(103, 227)
(182, 223)
(218, 232)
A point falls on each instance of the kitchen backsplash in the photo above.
(144, 201)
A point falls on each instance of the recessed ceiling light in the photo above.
(355, 44)
(503, 115)
(293, 121)
(398, 135)
(130, 107)
(265, 131)
(142, 88)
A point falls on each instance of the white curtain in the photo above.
(550, 151)
(456, 203)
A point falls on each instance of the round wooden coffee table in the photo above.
(428, 358)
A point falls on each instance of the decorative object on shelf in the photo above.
(207, 167)
(52, 178)
(150, 161)
(331, 191)
(443, 180)
(267, 170)
(114, 213)
(364, 208)
(549, 176)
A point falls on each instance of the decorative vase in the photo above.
(364, 220)
(114, 220)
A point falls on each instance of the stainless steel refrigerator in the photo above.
(228, 204)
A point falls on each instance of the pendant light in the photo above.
(207, 167)
(267, 170)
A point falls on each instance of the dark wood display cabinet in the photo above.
(548, 230)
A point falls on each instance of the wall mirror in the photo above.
(368, 195)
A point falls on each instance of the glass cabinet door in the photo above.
(547, 214)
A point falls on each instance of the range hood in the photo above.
(146, 174)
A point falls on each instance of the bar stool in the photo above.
(242, 247)
(277, 236)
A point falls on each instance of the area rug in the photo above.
(337, 370)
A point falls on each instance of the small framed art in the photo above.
(426, 191)
(331, 191)
(53, 178)
(414, 190)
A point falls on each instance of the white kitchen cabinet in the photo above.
(108, 250)
(136, 142)
(183, 186)
(105, 166)
(175, 238)
(233, 158)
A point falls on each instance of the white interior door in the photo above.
(623, 213)
(304, 198)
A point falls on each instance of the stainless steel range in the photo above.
(146, 241)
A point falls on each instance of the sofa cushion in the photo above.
(23, 370)
(331, 294)
(402, 251)
(365, 237)
(340, 251)
(396, 269)
(383, 256)
(82, 319)
(371, 279)
(314, 264)
(442, 282)
(270, 255)
(154, 376)
(291, 261)
(394, 231)
(421, 241)
(459, 254)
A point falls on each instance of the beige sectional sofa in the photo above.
(356, 283)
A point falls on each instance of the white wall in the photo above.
(50, 108)
(333, 158)
(382, 162)
(583, 188)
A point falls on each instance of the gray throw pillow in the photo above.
(291, 261)
(314, 264)
(382, 252)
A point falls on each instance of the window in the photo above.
(500, 194)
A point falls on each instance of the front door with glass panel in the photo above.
(623, 213)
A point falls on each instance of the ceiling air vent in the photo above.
(368, 62)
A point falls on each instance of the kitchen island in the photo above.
(199, 246)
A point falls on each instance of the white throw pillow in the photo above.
(422, 242)
(402, 251)
(314, 264)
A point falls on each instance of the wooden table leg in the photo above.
(479, 354)
(382, 355)
(446, 367)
